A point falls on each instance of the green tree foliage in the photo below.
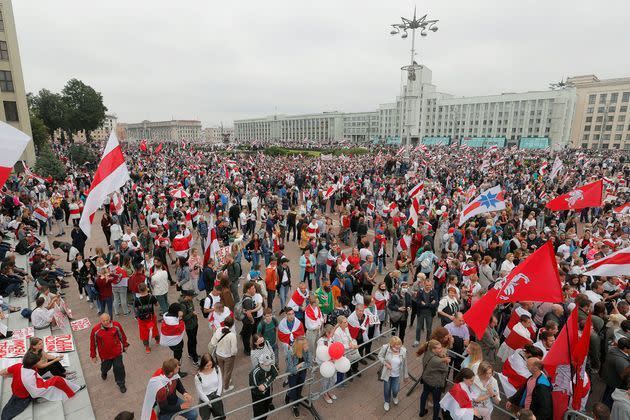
(40, 131)
(50, 108)
(48, 164)
(80, 154)
(85, 109)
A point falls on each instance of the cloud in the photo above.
(220, 61)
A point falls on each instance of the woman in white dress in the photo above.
(486, 388)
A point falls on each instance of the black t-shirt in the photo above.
(144, 306)
(248, 305)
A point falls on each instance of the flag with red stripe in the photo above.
(589, 195)
(615, 264)
(111, 174)
(458, 403)
(489, 200)
(12, 145)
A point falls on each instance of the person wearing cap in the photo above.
(190, 321)
(260, 380)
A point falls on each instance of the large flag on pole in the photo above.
(615, 264)
(32, 175)
(12, 145)
(589, 195)
(535, 279)
(111, 174)
(489, 200)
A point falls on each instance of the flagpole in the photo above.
(571, 358)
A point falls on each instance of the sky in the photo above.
(220, 61)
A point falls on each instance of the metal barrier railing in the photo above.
(572, 414)
(308, 383)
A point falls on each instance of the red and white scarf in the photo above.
(171, 331)
(297, 299)
(314, 318)
(286, 335)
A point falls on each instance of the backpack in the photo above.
(239, 314)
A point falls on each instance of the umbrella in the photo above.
(179, 193)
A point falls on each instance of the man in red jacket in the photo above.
(109, 338)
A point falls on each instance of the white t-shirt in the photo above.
(42, 317)
(210, 301)
(363, 253)
(395, 362)
(258, 300)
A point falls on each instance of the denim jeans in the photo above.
(107, 302)
(425, 319)
(391, 388)
(189, 415)
(436, 393)
(284, 293)
(163, 302)
(320, 273)
(120, 298)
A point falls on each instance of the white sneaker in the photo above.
(386, 406)
(80, 297)
(415, 343)
(395, 401)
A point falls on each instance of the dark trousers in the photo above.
(215, 410)
(106, 303)
(261, 403)
(55, 369)
(178, 349)
(295, 393)
(607, 396)
(14, 407)
(401, 326)
(291, 228)
(192, 343)
(436, 393)
(119, 369)
(42, 228)
(271, 294)
(246, 334)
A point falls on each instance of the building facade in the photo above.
(102, 133)
(217, 135)
(164, 131)
(14, 109)
(320, 128)
(602, 117)
(585, 112)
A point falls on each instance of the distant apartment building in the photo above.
(164, 131)
(602, 118)
(100, 134)
(217, 135)
(14, 109)
(585, 112)
(325, 128)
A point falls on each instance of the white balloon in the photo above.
(322, 353)
(327, 369)
(342, 364)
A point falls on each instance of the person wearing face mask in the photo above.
(260, 380)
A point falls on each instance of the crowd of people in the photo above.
(221, 231)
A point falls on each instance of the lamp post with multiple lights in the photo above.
(424, 25)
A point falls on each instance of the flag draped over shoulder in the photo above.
(535, 279)
(589, 195)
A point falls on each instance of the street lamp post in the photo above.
(424, 25)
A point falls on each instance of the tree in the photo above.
(85, 109)
(79, 154)
(40, 131)
(50, 108)
(48, 164)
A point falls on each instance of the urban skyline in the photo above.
(478, 51)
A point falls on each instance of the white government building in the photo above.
(535, 119)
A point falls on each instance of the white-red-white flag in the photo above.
(416, 190)
(211, 246)
(458, 403)
(12, 145)
(615, 264)
(32, 175)
(118, 203)
(111, 174)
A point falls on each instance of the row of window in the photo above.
(606, 146)
(611, 109)
(613, 98)
(607, 127)
(609, 118)
(597, 137)
(489, 130)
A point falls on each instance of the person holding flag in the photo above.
(162, 391)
